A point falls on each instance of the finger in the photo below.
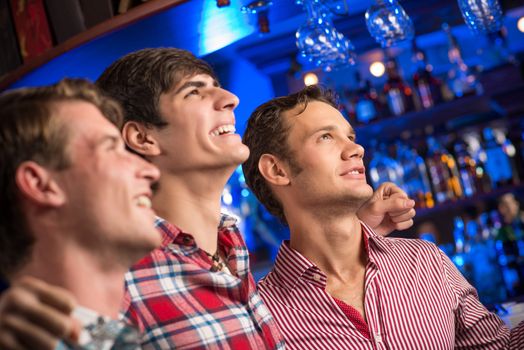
(394, 204)
(8, 341)
(28, 335)
(53, 296)
(403, 225)
(74, 334)
(403, 216)
(388, 189)
(25, 303)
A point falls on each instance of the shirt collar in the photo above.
(291, 266)
(171, 232)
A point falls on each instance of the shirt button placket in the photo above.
(378, 338)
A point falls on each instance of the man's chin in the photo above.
(357, 198)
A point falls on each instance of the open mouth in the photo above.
(226, 129)
(354, 171)
(144, 201)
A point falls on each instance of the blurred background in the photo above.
(434, 89)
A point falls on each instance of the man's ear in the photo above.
(140, 139)
(37, 185)
(273, 170)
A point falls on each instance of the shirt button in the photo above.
(378, 338)
(316, 277)
(186, 239)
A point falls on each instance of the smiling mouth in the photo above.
(358, 171)
(144, 201)
(226, 129)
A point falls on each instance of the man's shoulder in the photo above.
(414, 244)
(410, 253)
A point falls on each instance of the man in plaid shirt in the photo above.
(196, 290)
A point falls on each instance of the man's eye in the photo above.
(193, 92)
(352, 138)
(326, 137)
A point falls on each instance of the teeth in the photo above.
(144, 201)
(223, 129)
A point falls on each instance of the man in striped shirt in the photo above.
(336, 284)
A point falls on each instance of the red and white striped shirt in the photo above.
(415, 298)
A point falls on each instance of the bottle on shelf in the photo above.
(461, 78)
(365, 101)
(516, 137)
(428, 88)
(399, 95)
(499, 159)
(415, 180)
(485, 272)
(443, 172)
(346, 106)
(460, 256)
(498, 42)
(383, 168)
(508, 259)
(473, 177)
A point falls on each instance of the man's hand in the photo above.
(388, 209)
(35, 315)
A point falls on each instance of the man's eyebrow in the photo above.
(322, 128)
(330, 128)
(195, 83)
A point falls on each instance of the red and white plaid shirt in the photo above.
(415, 298)
(174, 298)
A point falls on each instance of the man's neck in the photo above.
(192, 203)
(334, 244)
(94, 285)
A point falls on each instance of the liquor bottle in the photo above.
(508, 259)
(347, 107)
(443, 172)
(383, 168)
(460, 258)
(485, 272)
(428, 88)
(473, 177)
(365, 101)
(461, 79)
(416, 180)
(398, 93)
(499, 159)
(498, 41)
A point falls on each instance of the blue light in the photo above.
(227, 198)
(244, 193)
(458, 260)
(222, 26)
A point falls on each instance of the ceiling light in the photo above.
(377, 69)
(520, 24)
(310, 79)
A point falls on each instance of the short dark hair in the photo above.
(137, 80)
(29, 131)
(267, 132)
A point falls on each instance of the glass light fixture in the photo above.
(388, 23)
(481, 16)
(319, 42)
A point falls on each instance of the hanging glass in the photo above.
(388, 23)
(481, 16)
